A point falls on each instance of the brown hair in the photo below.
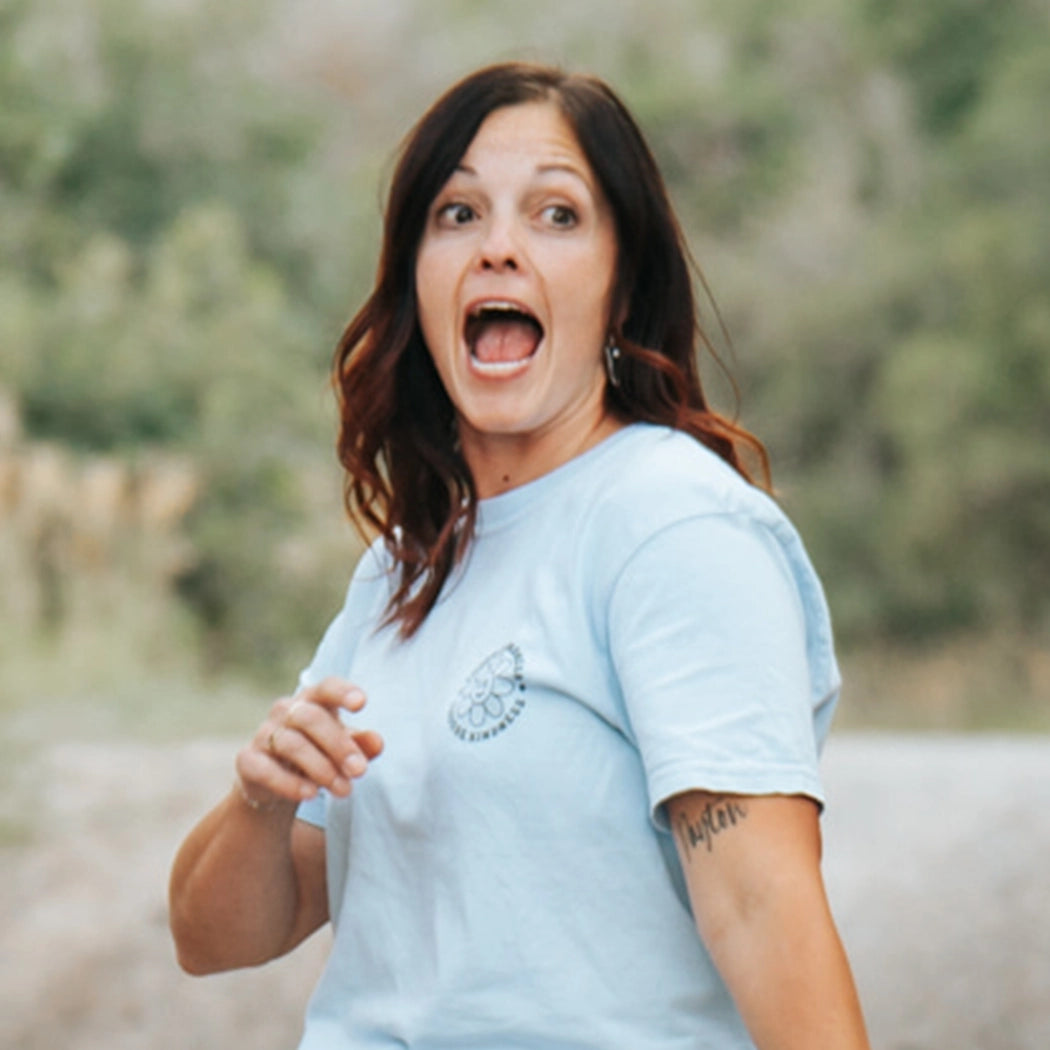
(404, 475)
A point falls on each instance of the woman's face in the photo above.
(514, 281)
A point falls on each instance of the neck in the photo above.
(499, 463)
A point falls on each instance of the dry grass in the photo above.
(978, 683)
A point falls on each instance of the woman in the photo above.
(597, 662)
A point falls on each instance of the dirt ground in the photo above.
(936, 851)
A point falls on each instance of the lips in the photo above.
(501, 334)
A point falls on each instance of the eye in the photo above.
(561, 215)
(455, 214)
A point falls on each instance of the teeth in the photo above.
(499, 306)
(498, 368)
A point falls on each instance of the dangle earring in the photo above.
(612, 358)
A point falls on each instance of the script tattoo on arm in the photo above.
(717, 817)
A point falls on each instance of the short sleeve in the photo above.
(314, 810)
(362, 612)
(708, 635)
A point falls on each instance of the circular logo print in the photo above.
(492, 697)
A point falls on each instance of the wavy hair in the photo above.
(405, 477)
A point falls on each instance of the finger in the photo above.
(305, 737)
(333, 692)
(349, 749)
(366, 745)
(319, 727)
(321, 763)
(264, 779)
(369, 742)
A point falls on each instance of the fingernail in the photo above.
(355, 765)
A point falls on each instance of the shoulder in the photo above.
(670, 500)
(678, 526)
(374, 567)
(370, 589)
(361, 614)
(656, 477)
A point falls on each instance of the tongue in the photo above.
(505, 340)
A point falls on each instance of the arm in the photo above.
(249, 883)
(752, 865)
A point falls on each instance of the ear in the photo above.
(620, 310)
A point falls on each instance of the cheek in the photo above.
(590, 298)
(428, 301)
(435, 292)
(585, 306)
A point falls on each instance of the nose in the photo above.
(499, 249)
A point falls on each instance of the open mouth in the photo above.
(502, 336)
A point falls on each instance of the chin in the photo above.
(498, 426)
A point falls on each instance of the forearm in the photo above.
(234, 891)
(249, 882)
(788, 973)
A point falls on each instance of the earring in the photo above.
(612, 357)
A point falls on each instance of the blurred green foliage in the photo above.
(188, 213)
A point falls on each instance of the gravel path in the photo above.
(937, 851)
(936, 855)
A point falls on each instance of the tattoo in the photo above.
(719, 815)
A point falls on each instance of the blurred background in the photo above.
(190, 201)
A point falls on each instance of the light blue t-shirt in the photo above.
(637, 623)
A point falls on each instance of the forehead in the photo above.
(533, 134)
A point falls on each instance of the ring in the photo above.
(270, 744)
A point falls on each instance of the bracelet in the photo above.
(254, 804)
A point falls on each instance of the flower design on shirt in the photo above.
(492, 697)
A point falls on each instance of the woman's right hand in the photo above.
(245, 890)
(304, 745)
